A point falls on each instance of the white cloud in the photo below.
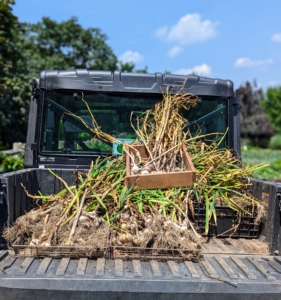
(189, 29)
(245, 62)
(162, 31)
(175, 51)
(131, 56)
(276, 37)
(202, 70)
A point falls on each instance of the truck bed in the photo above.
(227, 268)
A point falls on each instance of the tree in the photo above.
(144, 70)
(126, 67)
(271, 102)
(13, 79)
(26, 49)
(66, 45)
(254, 123)
(130, 67)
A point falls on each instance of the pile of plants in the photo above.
(100, 204)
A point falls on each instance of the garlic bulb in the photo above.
(143, 172)
(35, 241)
(177, 169)
(83, 219)
(183, 229)
(123, 226)
(137, 241)
(148, 168)
(135, 169)
(125, 237)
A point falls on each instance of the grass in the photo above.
(272, 172)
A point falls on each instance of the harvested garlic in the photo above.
(125, 216)
(35, 241)
(46, 244)
(123, 238)
(123, 226)
(135, 169)
(143, 172)
(183, 229)
(137, 241)
(83, 219)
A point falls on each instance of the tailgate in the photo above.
(227, 276)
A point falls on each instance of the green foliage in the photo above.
(130, 67)
(14, 81)
(2, 157)
(126, 67)
(254, 157)
(144, 70)
(11, 163)
(269, 173)
(66, 45)
(99, 145)
(271, 101)
(84, 136)
(7, 39)
(3, 146)
(26, 49)
(275, 142)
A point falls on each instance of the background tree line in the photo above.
(26, 49)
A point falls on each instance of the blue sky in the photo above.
(238, 40)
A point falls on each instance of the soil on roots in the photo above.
(39, 228)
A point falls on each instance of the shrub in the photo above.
(12, 163)
(3, 146)
(2, 157)
(275, 142)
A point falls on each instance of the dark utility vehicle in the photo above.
(246, 265)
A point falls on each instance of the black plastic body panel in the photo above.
(30, 139)
(134, 82)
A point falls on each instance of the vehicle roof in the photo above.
(107, 81)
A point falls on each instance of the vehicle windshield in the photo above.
(62, 133)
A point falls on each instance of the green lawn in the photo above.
(254, 157)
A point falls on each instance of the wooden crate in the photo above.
(160, 181)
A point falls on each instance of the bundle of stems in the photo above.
(161, 130)
(220, 179)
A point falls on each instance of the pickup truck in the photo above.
(230, 267)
